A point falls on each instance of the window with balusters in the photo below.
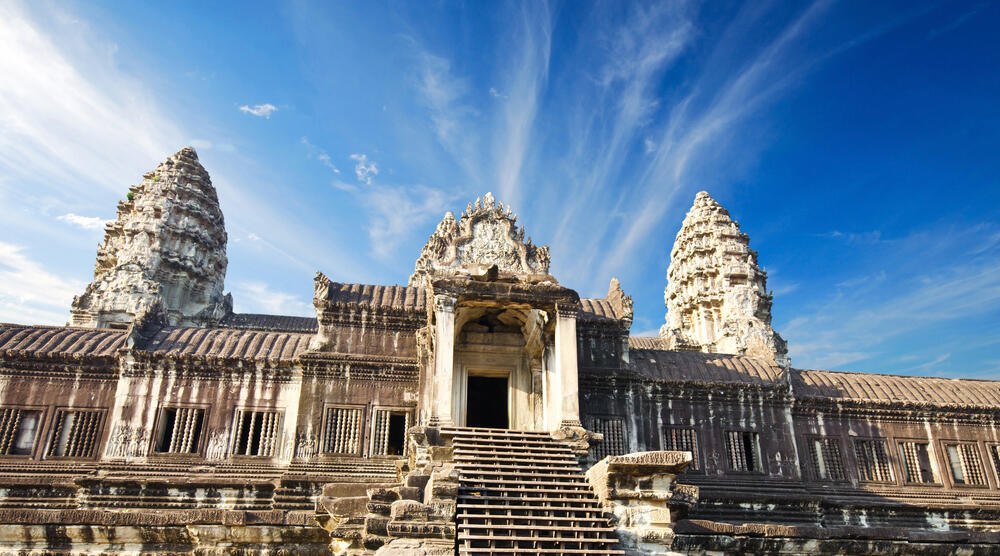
(256, 432)
(179, 430)
(342, 431)
(18, 430)
(75, 433)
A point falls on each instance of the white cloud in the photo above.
(325, 159)
(200, 143)
(85, 222)
(258, 297)
(29, 294)
(253, 237)
(396, 212)
(365, 169)
(68, 116)
(497, 94)
(260, 110)
(320, 155)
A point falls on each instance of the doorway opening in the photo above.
(487, 402)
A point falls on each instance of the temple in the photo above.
(483, 408)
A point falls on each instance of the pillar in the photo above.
(566, 366)
(444, 360)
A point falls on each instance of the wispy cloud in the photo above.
(85, 222)
(320, 155)
(29, 293)
(864, 313)
(259, 110)
(68, 115)
(527, 77)
(364, 169)
(397, 212)
(259, 297)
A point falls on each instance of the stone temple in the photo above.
(483, 408)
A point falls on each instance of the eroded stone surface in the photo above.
(716, 295)
(168, 243)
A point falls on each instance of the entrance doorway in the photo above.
(487, 402)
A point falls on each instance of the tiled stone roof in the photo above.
(403, 298)
(59, 341)
(597, 309)
(895, 389)
(271, 323)
(224, 343)
(651, 361)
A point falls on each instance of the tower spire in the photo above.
(716, 294)
(167, 244)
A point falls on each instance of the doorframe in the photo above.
(484, 372)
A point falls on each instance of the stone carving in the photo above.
(716, 295)
(127, 442)
(168, 243)
(486, 235)
(307, 445)
(640, 490)
(218, 445)
(621, 303)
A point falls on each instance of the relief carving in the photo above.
(486, 235)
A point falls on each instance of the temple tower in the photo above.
(167, 244)
(716, 295)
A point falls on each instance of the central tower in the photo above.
(499, 348)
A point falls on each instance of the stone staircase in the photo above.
(524, 493)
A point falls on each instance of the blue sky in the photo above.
(855, 142)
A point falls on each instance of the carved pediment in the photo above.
(486, 235)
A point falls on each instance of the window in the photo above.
(995, 454)
(873, 460)
(75, 433)
(916, 462)
(389, 432)
(342, 430)
(18, 429)
(744, 451)
(179, 430)
(827, 463)
(256, 433)
(683, 440)
(966, 464)
(614, 443)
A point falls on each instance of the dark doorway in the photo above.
(487, 402)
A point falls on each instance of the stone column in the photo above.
(444, 360)
(566, 366)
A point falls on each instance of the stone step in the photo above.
(476, 457)
(530, 539)
(533, 474)
(536, 529)
(469, 432)
(484, 444)
(601, 552)
(524, 484)
(602, 521)
(515, 491)
(525, 494)
(520, 505)
(489, 498)
(502, 467)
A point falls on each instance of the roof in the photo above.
(403, 298)
(651, 361)
(597, 309)
(881, 388)
(272, 323)
(227, 343)
(59, 340)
